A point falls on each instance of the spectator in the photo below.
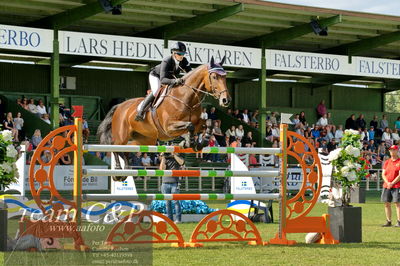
(371, 133)
(19, 125)
(275, 132)
(25, 104)
(36, 138)
(382, 151)
(2, 111)
(65, 159)
(212, 115)
(308, 133)
(397, 124)
(41, 109)
(10, 125)
(296, 121)
(135, 159)
(374, 123)
(330, 121)
(85, 131)
(245, 116)
(227, 141)
(316, 133)
(32, 107)
(107, 158)
(268, 133)
(237, 114)
(339, 133)
(46, 157)
(323, 148)
(19, 102)
(387, 137)
(213, 157)
(332, 145)
(302, 118)
(351, 122)
(46, 119)
(231, 132)
(170, 184)
(229, 112)
(217, 132)
(272, 119)
(395, 136)
(323, 120)
(329, 134)
(239, 131)
(237, 142)
(204, 114)
(384, 123)
(254, 117)
(391, 185)
(253, 161)
(364, 134)
(371, 146)
(248, 138)
(146, 161)
(360, 122)
(321, 109)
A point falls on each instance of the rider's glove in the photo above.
(179, 81)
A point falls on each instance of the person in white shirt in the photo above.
(32, 106)
(275, 132)
(387, 137)
(240, 132)
(41, 109)
(395, 136)
(46, 119)
(339, 133)
(204, 114)
(146, 161)
(245, 115)
(323, 121)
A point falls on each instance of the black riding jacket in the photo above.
(167, 71)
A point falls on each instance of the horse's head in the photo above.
(216, 83)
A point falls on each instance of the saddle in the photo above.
(159, 97)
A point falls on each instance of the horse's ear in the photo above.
(212, 61)
(223, 60)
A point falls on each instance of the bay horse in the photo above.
(178, 113)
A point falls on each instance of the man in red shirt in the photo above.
(391, 185)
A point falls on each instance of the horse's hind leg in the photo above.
(117, 156)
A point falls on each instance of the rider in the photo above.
(166, 74)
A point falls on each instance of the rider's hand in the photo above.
(179, 81)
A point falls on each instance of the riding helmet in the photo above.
(178, 47)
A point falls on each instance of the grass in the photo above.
(380, 246)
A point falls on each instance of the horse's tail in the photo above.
(104, 129)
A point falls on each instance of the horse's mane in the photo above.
(194, 72)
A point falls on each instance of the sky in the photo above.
(387, 7)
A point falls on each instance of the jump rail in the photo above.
(178, 173)
(177, 149)
(100, 197)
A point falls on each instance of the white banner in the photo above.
(332, 64)
(101, 45)
(64, 178)
(27, 39)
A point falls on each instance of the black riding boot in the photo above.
(148, 100)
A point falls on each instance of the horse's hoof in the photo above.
(119, 178)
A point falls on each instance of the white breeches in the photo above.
(154, 84)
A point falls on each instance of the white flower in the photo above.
(333, 155)
(6, 167)
(7, 135)
(15, 169)
(351, 131)
(11, 151)
(352, 176)
(353, 151)
(345, 171)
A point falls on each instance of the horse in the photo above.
(178, 113)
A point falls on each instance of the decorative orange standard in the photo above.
(229, 226)
(136, 229)
(294, 209)
(41, 179)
